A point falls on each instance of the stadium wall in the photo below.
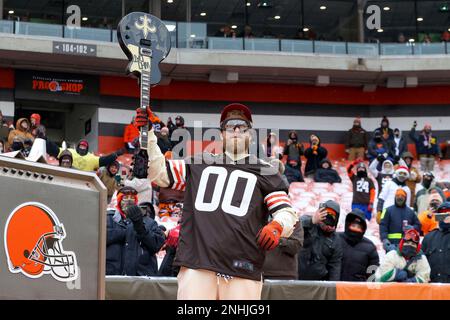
(328, 112)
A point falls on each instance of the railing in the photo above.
(194, 35)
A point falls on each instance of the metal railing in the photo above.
(194, 35)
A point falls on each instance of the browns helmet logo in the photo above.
(33, 243)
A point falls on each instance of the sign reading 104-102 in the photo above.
(81, 49)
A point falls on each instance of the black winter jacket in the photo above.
(129, 253)
(327, 175)
(321, 256)
(436, 246)
(313, 160)
(357, 258)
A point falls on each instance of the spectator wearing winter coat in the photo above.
(4, 131)
(405, 264)
(359, 253)
(142, 186)
(387, 196)
(294, 151)
(427, 146)
(414, 175)
(321, 256)
(400, 145)
(130, 134)
(395, 220)
(35, 121)
(427, 218)
(281, 263)
(423, 191)
(326, 173)
(363, 188)
(314, 155)
(386, 174)
(108, 176)
(179, 124)
(82, 158)
(132, 238)
(167, 269)
(22, 131)
(436, 246)
(65, 159)
(356, 141)
(3, 123)
(164, 142)
(385, 130)
(378, 147)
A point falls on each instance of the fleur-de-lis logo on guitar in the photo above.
(146, 26)
(145, 41)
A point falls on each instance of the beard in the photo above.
(236, 146)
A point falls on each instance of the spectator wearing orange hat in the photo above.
(396, 219)
(356, 144)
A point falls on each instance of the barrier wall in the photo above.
(143, 288)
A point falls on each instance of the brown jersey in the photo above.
(361, 189)
(225, 205)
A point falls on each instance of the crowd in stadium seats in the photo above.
(337, 238)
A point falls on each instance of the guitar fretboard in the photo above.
(145, 101)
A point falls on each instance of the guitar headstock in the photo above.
(145, 40)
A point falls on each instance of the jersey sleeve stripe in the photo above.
(182, 171)
(273, 195)
(277, 203)
(279, 207)
(180, 167)
(177, 168)
(175, 174)
(277, 200)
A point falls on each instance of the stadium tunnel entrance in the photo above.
(67, 122)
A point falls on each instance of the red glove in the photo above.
(142, 117)
(269, 236)
(173, 236)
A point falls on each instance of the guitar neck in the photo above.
(145, 102)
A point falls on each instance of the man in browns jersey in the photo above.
(228, 199)
(363, 188)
